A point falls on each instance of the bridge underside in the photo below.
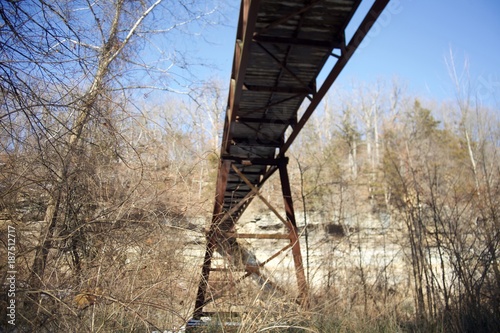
(281, 48)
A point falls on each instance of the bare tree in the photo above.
(72, 74)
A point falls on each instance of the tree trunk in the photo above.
(42, 251)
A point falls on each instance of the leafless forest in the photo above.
(108, 160)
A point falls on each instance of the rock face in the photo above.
(363, 250)
(267, 222)
(361, 247)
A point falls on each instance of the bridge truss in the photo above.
(281, 48)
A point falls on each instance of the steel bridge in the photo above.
(281, 48)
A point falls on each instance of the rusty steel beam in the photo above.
(299, 41)
(355, 41)
(220, 186)
(244, 36)
(252, 161)
(247, 199)
(271, 170)
(276, 254)
(270, 105)
(256, 191)
(251, 195)
(288, 70)
(294, 236)
(205, 275)
(265, 121)
(211, 237)
(281, 90)
(257, 236)
(287, 17)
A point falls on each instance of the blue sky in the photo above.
(410, 41)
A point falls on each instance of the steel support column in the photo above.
(205, 275)
(211, 238)
(294, 236)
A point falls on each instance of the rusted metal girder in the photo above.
(299, 41)
(304, 90)
(244, 36)
(294, 236)
(257, 236)
(285, 18)
(255, 190)
(211, 237)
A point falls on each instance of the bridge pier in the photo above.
(216, 236)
